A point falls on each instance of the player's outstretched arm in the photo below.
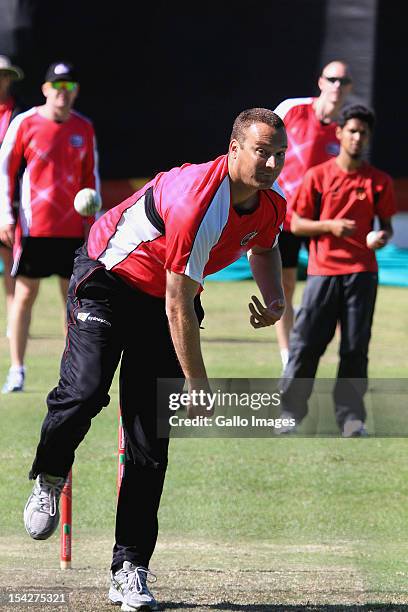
(185, 333)
(266, 268)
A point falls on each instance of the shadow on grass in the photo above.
(231, 607)
(267, 340)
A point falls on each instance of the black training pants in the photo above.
(349, 299)
(108, 320)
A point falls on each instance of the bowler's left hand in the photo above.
(381, 240)
(264, 316)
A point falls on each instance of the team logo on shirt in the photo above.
(333, 148)
(76, 140)
(360, 193)
(248, 237)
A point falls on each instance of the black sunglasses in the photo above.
(341, 80)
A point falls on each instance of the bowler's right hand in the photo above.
(342, 227)
(200, 392)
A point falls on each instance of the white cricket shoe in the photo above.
(41, 513)
(354, 428)
(129, 588)
(15, 380)
(286, 430)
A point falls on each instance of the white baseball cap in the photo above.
(14, 71)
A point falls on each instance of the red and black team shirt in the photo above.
(183, 221)
(328, 192)
(59, 159)
(310, 142)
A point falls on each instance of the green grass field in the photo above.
(245, 524)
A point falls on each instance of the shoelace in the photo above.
(49, 494)
(139, 581)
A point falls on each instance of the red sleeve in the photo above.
(190, 236)
(194, 203)
(269, 239)
(305, 197)
(384, 198)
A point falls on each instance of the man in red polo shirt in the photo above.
(56, 147)
(134, 298)
(335, 207)
(311, 128)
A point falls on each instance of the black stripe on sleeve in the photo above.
(151, 211)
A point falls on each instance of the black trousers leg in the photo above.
(91, 356)
(146, 358)
(358, 303)
(314, 328)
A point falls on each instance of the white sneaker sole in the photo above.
(116, 599)
(7, 390)
(142, 608)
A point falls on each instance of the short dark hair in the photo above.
(254, 115)
(357, 111)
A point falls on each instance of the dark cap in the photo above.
(60, 71)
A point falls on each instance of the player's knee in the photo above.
(93, 395)
(25, 298)
(85, 397)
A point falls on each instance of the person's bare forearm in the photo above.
(301, 226)
(308, 227)
(185, 333)
(184, 327)
(266, 269)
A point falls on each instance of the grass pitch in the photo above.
(245, 524)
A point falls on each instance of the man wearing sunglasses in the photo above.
(335, 207)
(56, 147)
(311, 129)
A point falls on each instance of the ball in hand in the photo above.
(371, 238)
(87, 202)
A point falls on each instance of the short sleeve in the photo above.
(384, 198)
(305, 197)
(192, 230)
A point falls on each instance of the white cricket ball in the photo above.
(371, 238)
(87, 202)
